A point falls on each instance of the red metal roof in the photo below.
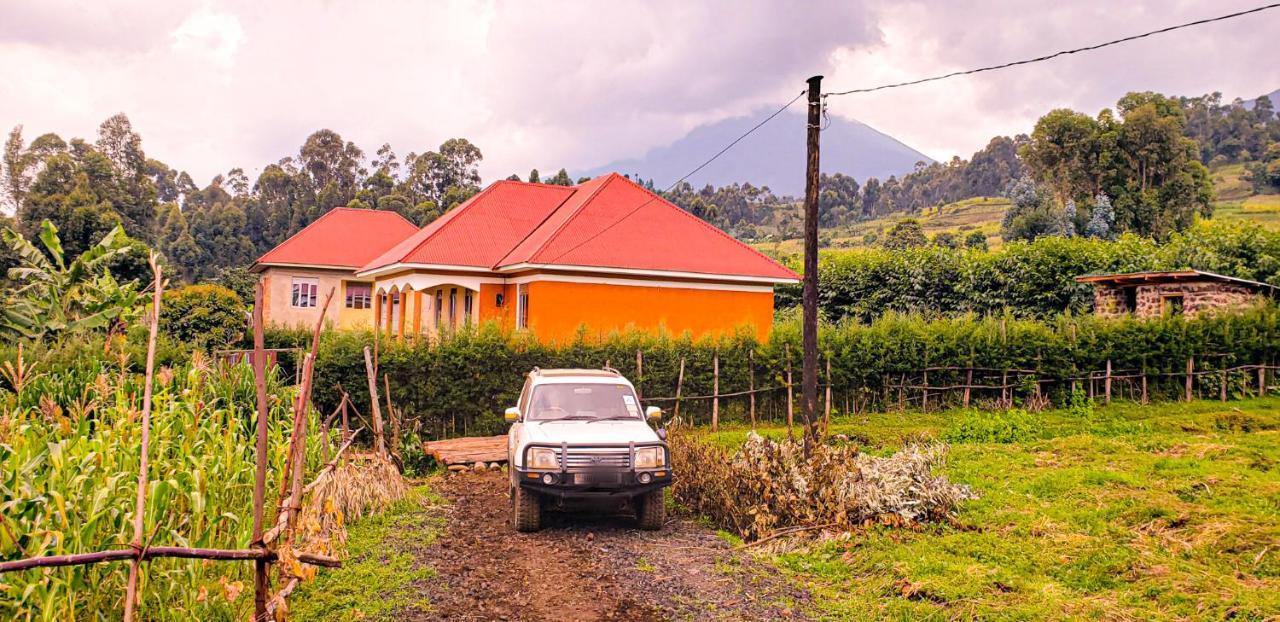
(343, 237)
(608, 222)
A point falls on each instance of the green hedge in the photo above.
(460, 384)
(1027, 279)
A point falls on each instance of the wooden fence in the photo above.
(262, 550)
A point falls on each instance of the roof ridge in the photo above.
(573, 190)
(560, 229)
(687, 214)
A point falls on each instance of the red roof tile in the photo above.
(343, 236)
(608, 222)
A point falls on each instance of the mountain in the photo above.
(1274, 96)
(773, 156)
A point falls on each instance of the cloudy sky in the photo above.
(212, 85)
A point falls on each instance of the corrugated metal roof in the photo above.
(342, 237)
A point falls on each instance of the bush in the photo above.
(210, 315)
(1009, 426)
(768, 485)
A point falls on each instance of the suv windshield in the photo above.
(593, 401)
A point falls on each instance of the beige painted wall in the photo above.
(278, 303)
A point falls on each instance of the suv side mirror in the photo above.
(653, 413)
(512, 414)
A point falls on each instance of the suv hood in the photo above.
(588, 432)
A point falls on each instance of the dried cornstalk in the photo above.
(140, 505)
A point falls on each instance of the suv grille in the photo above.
(597, 458)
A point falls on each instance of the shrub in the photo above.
(210, 315)
(1009, 426)
(768, 485)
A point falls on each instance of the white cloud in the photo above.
(214, 36)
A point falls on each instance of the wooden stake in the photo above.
(392, 416)
(751, 384)
(924, 393)
(791, 400)
(1145, 398)
(679, 387)
(1222, 395)
(1107, 383)
(379, 440)
(968, 384)
(1262, 380)
(715, 391)
(140, 503)
(826, 417)
(261, 576)
(1191, 367)
(639, 373)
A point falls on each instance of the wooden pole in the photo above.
(1107, 382)
(679, 387)
(261, 576)
(809, 365)
(639, 373)
(826, 416)
(1145, 398)
(751, 384)
(140, 502)
(968, 384)
(1262, 379)
(791, 400)
(1191, 367)
(924, 393)
(379, 440)
(346, 424)
(1222, 394)
(392, 417)
(715, 391)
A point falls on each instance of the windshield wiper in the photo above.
(620, 418)
(570, 418)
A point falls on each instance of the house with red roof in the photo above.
(325, 255)
(605, 255)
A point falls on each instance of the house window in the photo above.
(466, 307)
(1171, 304)
(1130, 299)
(359, 295)
(453, 306)
(522, 305)
(439, 306)
(304, 292)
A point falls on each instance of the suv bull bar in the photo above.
(594, 481)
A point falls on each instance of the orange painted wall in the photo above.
(557, 309)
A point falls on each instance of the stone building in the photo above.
(1180, 292)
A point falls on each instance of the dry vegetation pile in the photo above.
(768, 486)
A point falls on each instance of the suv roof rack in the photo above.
(550, 373)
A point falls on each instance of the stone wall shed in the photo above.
(1181, 292)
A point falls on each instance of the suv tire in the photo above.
(528, 509)
(651, 511)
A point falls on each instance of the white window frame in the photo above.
(522, 306)
(300, 297)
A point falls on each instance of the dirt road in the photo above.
(582, 567)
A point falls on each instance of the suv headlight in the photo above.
(649, 458)
(542, 458)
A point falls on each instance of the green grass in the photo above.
(1169, 511)
(376, 581)
(980, 214)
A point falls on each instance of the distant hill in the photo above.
(1274, 96)
(773, 156)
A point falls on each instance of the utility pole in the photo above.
(809, 370)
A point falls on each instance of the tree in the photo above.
(906, 233)
(446, 177)
(1102, 219)
(1067, 228)
(561, 179)
(976, 240)
(56, 295)
(1063, 153)
(209, 315)
(1031, 213)
(533, 177)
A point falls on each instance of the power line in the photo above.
(1054, 55)
(686, 176)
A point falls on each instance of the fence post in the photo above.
(346, 424)
(715, 391)
(924, 393)
(751, 384)
(1107, 382)
(261, 576)
(140, 507)
(1144, 383)
(679, 387)
(968, 384)
(1004, 387)
(1191, 368)
(639, 372)
(826, 425)
(379, 440)
(1222, 394)
(791, 400)
(1262, 379)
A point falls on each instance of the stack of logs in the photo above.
(469, 454)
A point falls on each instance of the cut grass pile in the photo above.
(1168, 511)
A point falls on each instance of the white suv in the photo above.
(580, 435)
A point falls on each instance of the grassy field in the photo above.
(1169, 511)
(980, 214)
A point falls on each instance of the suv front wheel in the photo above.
(651, 512)
(528, 509)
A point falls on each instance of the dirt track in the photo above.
(586, 567)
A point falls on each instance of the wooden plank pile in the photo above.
(472, 453)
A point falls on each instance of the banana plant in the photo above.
(54, 295)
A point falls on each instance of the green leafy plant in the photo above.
(205, 314)
(1009, 426)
